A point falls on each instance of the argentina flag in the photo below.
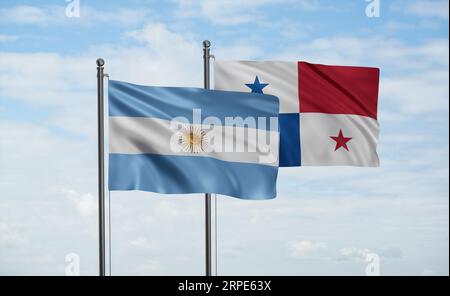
(176, 140)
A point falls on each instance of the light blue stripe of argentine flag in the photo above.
(170, 174)
(126, 99)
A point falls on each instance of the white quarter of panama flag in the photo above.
(338, 139)
(159, 136)
(274, 77)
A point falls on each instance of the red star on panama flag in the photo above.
(341, 141)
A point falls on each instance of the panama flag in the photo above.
(192, 140)
(328, 114)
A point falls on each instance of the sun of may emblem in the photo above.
(193, 139)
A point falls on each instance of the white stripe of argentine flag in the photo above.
(188, 140)
(159, 136)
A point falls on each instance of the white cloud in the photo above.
(51, 15)
(143, 244)
(419, 93)
(24, 14)
(163, 229)
(307, 5)
(46, 165)
(86, 203)
(165, 58)
(225, 12)
(352, 253)
(237, 51)
(396, 55)
(390, 253)
(428, 272)
(234, 12)
(397, 26)
(49, 158)
(148, 267)
(6, 38)
(44, 78)
(10, 237)
(306, 249)
(61, 82)
(167, 209)
(123, 16)
(426, 8)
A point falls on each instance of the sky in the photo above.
(324, 221)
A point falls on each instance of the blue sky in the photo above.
(324, 221)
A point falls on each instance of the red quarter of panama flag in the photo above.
(338, 89)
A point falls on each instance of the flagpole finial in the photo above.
(206, 43)
(100, 62)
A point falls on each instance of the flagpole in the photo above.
(101, 167)
(208, 236)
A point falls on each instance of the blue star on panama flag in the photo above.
(256, 86)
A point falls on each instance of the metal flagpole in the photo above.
(101, 168)
(208, 249)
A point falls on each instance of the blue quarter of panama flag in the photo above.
(177, 140)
